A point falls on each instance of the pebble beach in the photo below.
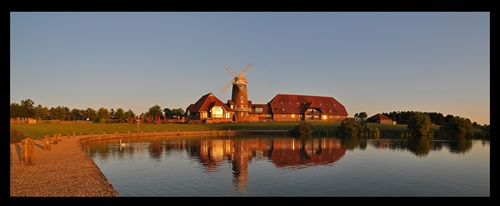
(63, 171)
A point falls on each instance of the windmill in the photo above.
(239, 94)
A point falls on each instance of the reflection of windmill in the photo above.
(239, 94)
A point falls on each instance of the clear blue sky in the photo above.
(371, 62)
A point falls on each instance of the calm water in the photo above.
(274, 166)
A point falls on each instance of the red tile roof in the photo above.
(293, 103)
(379, 117)
(206, 103)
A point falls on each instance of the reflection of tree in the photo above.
(349, 143)
(421, 146)
(462, 146)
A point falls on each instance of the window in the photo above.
(289, 102)
(330, 110)
(258, 109)
(241, 97)
(282, 109)
(298, 103)
(283, 115)
(291, 109)
(320, 104)
(281, 102)
(217, 112)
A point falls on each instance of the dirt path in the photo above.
(63, 171)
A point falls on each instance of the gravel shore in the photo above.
(63, 171)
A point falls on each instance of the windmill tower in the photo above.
(239, 94)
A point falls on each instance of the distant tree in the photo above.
(419, 125)
(28, 108)
(458, 127)
(168, 113)
(58, 113)
(130, 115)
(75, 114)
(120, 114)
(103, 114)
(178, 112)
(112, 113)
(155, 111)
(362, 116)
(15, 110)
(91, 114)
(41, 113)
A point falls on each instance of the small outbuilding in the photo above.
(380, 118)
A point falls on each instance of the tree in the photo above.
(75, 114)
(168, 113)
(91, 114)
(41, 113)
(103, 114)
(130, 115)
(155, 111)
(28, 108)
(178, 112)
(112, 113)
(120, 114)
(15, 110)
(58, 113)
(350, 127)
(362, 116)
(458, 127)
(419, 124)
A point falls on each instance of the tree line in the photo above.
(27, 109)
(403, 117)
(419, 124)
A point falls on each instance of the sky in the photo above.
(371, 62)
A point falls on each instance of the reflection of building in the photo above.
(283, 152)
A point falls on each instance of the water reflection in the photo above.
(284, 152)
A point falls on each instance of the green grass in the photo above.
(38, 131)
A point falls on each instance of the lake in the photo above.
(282, 166)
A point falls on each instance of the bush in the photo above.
(349, 127)
(304, 130)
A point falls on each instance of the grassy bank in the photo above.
(38, 131)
